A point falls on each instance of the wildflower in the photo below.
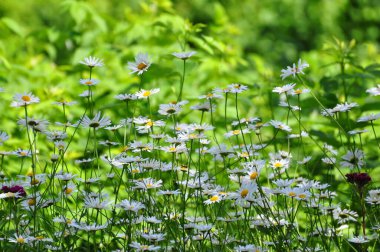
(215, 198)
(144, 94)
(69, 189)
(35, 124)
(141, 64)
(184, 55)
(299, 91)
(140, 247)
(345, 107)
(280, 125)
(374, 197)
(170, 109)
(359, 179)
(153, 237)
(17, 190)
(22, 153)
(294, 70)
(20, 239)
(126, 97)
(96, 122)
(236, 133)
(92, 62)
(147, 183)
(133, 206)
(358, 239)
(374, 91)
(64, 103)
(175, 148)
(249, 248)
(344, 216)
(237, 88)
(169, 192)
(3, 137)
(204, 107)
(95, 202)
(297, 193)
(210, 96)
(357, 132)
(353, 159)
(284, 89)
(89, 227)
(89, 82)
(20, 100)
(369, 118)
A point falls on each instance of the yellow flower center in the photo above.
(214, 198)
(149, 124)
(236, 132)
(34, 181)
(253, 175)
(172, 149)
(209, 95)
(141, 66)
(244, 193)
(292, 194)
(277, 165)
(244, 155)
(149, 185)
(146, 93)
(39, 237)
(26, 98)
(68, 221)
(135, 171)
(20, 240)
(302, 196)
(89, 82)
(31, 202)
(69, 190)
(23, 153)
(298, 91)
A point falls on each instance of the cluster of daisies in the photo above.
(165, 185)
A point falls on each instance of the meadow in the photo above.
(128, 127)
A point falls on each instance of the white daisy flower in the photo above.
(141, 64)
(294, 70)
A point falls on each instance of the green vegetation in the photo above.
(189, 125)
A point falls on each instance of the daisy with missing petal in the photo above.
(24, 99)
(144, 94)
(374, 91)
(89, 82)
(141, 64)
(344, 215)
(294, 70)
(96, 122)
(92, 62)
(184, 55)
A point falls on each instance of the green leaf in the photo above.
(14, 26)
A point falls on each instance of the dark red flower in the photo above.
(359, 179)
(14, 189)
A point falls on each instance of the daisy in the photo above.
(64, 103)
(140, 247)
(22, 153)
(353, 159)
(204, 107)
(89, 82)
(236, 88)
(369, 118)
(299, 91)
(126, 97)
(344, 216)
(284, 89)
(92, 62)
(184, 55)
(133, 206)
(88, 227)
(358, 239)
(147, 183)
(169, 109)
(294, 70)
(297, 193)
(280, 126)
(236, 133)
(141, 64)
(24, 99)
(374, 91)
(144, 94)
(20, 239)
(374, 197)
(3, 137)
(153, 237)
(169, 192)
(213, 199)
(96, 122)
(95, 202)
